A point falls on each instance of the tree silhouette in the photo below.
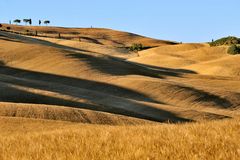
(30, 21)
(26, 21)
(39, 22)
(46, 22)
(17, 21)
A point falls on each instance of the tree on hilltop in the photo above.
(46, 22)
(17, 21)
(27, 21)
(30, 21)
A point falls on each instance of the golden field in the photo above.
(84, 95)
(38, 139)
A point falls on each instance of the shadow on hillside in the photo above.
(104, 63)
(24, 39)
(99, 98)
(119, 67)
(83, 38)
(108, 38)
(107, 65)
(22, 96)
(2, 63)
(164, 69)
(16, 95)
(207, 98)
(75, 82)
(5, 38)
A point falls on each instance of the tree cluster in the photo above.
(29, 21)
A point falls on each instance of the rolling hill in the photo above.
(86, 82)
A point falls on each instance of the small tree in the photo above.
(30, 21)
(39, 22)
(17, 21)
(46, 22)
(26, 21)
(136, 47)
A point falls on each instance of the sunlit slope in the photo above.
(225, 66)
(178, 56)
(45, 74)
(93, 35)
(199, 58)
(38, 71)
(58, 113)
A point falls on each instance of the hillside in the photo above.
(59, 90)
(99, 36)
(43, 72)
(198, 58)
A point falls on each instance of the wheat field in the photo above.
(93, 98)
(47, 140)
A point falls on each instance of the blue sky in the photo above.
(185, 20)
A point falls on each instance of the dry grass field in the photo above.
(92, 98)
(38, 140)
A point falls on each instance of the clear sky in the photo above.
(179, 20)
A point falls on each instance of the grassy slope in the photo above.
(93, 35)
(38, 139)
(51, 112)
(199, 58)
(41, 71)
(164, 91)
(39, 77)
(85, 79)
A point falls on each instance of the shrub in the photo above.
(234, 49)
(8, 28)
(136, 47)
(225, 41)
(1, 25)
